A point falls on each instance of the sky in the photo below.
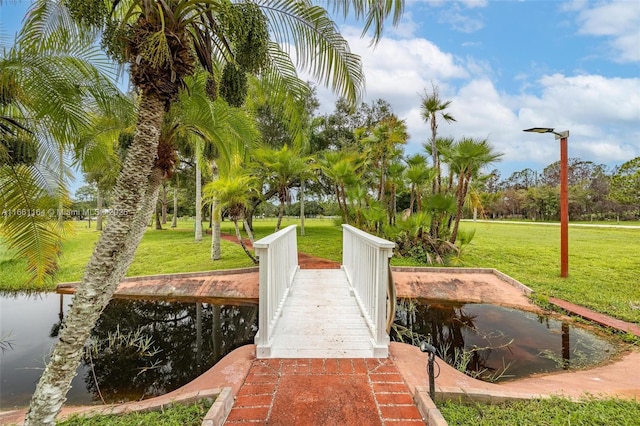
(506, 66)
(512, 65)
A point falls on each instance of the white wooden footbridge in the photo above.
(325, 313)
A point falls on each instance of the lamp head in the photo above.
(559, 135)
(539, 130)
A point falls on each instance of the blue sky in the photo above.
(512, 65)
(507, 66)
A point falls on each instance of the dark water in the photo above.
(496, 343)
(142, 348)
(138, 349)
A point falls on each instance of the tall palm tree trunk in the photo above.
(302, 208)
(174, 221)
(216, 252)
(280, 214)
(99, 212)
(164, 204)
(135, 195)
(198, 231)
(461, 194)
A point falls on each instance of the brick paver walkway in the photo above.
(324, 392)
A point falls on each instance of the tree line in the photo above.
(595, 192)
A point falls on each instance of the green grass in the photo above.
(160, 252)
(174, 415)
(547, 412)
(603, 263)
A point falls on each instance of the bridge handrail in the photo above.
(365, 259)
(278, 255)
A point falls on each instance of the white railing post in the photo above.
(365, 260)
(278, 255)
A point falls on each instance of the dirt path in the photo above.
(306, 261)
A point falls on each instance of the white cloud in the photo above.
(460, 21)
(619, 21)
(474, 3)
(406, 27)
(602, 114)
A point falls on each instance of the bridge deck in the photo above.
(321, 319)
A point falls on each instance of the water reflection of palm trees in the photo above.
(444, 325)
(160, 346)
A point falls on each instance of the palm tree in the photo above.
(467, 157)
(343, 169)
(283, 169)
(233, 193)
(162, 41)
(382, 147)
(45, 90)
(206, 130)
(395, 180)
(417, 174)
(431, 107)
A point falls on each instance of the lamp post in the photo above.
(564, 196)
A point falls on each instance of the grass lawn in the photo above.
(603, 262)
(547, 412)
(174, 415)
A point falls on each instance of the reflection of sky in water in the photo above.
(528, 342)
(27, 321)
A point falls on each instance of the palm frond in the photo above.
(26, 224)
(318, 45)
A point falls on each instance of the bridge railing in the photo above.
(365, 259)
(278, 255)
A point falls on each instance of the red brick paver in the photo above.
(324, 392)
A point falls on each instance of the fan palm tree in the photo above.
(382, 147)
(417, 174)
(163, 41)
(467, 157)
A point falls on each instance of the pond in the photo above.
(495, 343)
(139, 348)
(142, 348)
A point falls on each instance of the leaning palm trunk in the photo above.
(110, 260)
(245, 224)
(244, 247)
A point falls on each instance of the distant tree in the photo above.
(625, 183)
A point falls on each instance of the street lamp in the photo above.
(564, 196)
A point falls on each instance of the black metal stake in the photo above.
(426, 347)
